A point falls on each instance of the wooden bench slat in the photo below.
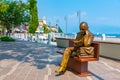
(85, 59)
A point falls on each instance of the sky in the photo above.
(102, 16)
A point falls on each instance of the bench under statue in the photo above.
(79, 65)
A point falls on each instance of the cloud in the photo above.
(71, 16)
(83, 14)
(98, 20)
(54, 20)
(102, 18)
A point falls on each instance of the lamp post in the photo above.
(78, 14)
(57, 22)
(49, 23)
(66, 23)
(49, 35)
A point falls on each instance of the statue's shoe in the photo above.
(60, 70)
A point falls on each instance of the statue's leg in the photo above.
(64, 61)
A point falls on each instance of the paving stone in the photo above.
(22, 60)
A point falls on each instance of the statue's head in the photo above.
(83, 27)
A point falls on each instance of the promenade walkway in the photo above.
(22, 60)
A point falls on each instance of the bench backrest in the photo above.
(94, 44)
(96, 49)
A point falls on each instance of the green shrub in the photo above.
(6, 38)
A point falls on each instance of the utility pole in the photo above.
(66, 23)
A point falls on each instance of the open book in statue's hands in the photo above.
(77, 43)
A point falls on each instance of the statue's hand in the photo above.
(77, 41)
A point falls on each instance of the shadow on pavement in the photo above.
(97, 76)
(33, 53)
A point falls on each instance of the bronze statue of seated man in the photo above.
(82, 47)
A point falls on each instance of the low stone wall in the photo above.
(110, 50)
(63, 42)
(107, 49)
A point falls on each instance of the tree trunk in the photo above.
(8, 33)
